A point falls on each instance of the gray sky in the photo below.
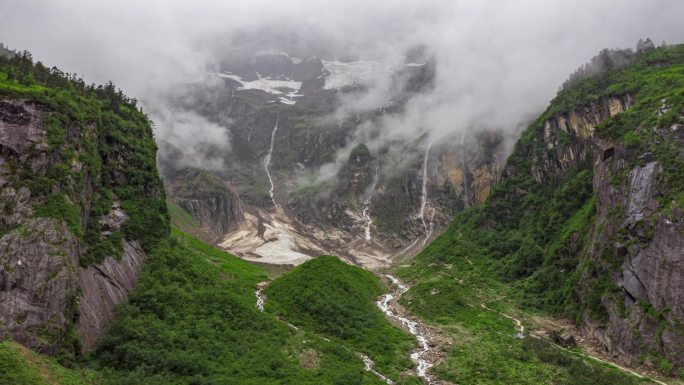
(499, 61)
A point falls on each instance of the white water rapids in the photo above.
(384, 303)
(267, 162)
(367, 205)
(261, 301)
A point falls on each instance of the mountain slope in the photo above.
(82, 203)
(193, 319)
(328, 196)
(337, 300)
(586, 221)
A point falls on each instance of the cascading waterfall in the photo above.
(267, 162)
(249, 136)
(422, 364)
(367, 204)
(423, 198)
(463, 165)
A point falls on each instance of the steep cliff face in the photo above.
(209, 200)
(78, 186)
(639, 234)
(587, 217)
(333, 180)
(631, 261)
(635, 245)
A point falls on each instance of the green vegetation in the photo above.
(453, 284)
(335, 299)
(20, 366)
(98, 144)
(527, 247)
(192, 320)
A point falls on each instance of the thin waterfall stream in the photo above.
(367, 205)
(424, 199)
(267, 162)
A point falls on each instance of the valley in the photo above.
(301, 213)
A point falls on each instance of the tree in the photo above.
(644, 46)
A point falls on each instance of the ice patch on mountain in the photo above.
(286, 89)
(344, 74)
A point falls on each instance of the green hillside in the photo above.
(193, 319)
(335, 299)
(548, 246)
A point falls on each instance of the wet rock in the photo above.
(114, 220)
(15, 207)
(563, 339)
(215, 207)
(38, 284)
(21, 126)
(104, 286)
(642, 186)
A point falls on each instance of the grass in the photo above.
(192, 319)
(532, 249)
(450, 294)
(335, 299)
(21, 366)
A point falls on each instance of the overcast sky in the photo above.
(499, 61)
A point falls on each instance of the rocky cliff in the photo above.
(587, 217)
(78, 184)
(332, 180)
(633, 255)
(210, 201)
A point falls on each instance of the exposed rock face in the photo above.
(636, 241)
(564, 339)
(38, 284)
(323, 168)
(22, 126)
(212, 203)
(46, 298)
(104, 286)
(15, 205)
(571, 136)
(650, 244)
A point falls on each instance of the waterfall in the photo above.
(423, 198)
(463, 165)
(267, 162)
(367, 203)
(249, 136)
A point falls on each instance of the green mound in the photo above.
(330, 297)
(192, 320)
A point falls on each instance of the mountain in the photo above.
(297, 183)
(579, 241)
(586, 222)
(82, 205)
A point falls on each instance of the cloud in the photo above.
(498, 62)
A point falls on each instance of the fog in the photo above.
(498, 62)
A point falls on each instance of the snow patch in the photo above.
(343, 74)
(269, 85)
